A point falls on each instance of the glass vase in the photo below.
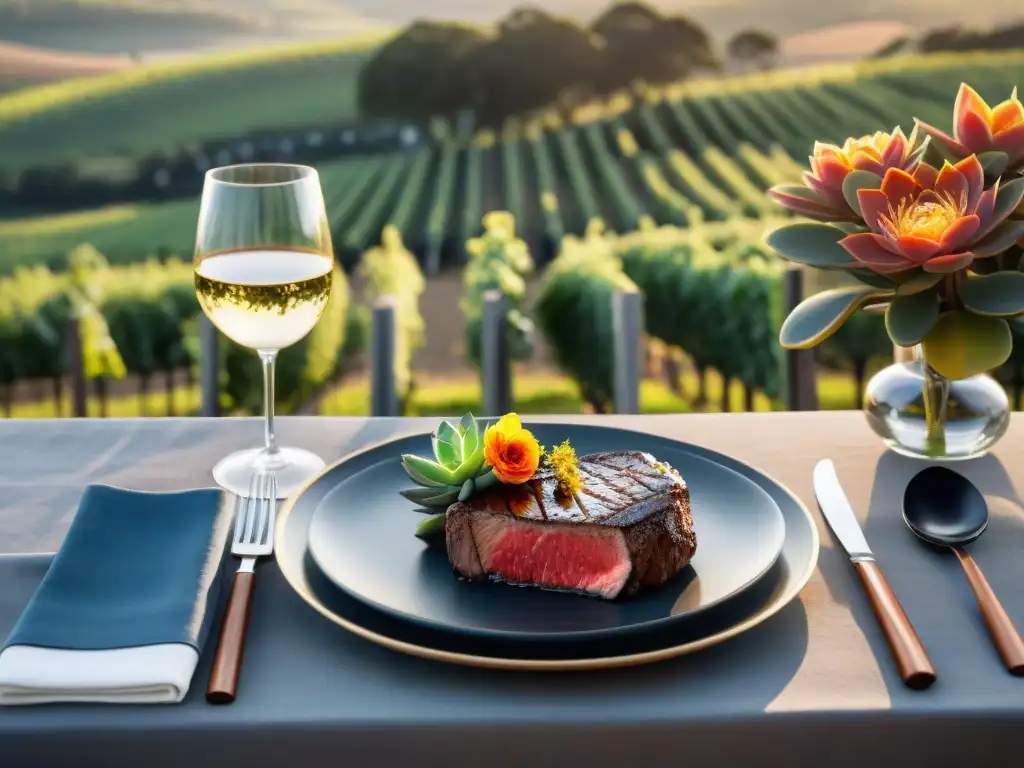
(920, 413)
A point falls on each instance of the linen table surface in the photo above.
(813, 685)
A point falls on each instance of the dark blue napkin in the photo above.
(135, 569)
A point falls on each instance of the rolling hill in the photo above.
(22, 65)
(700, 155)
(155, 27)
(174, 103)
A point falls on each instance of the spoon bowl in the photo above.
(946, 509)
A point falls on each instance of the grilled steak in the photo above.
(630, 527)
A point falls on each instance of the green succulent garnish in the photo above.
(457, 470)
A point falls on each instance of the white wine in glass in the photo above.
(264, 264)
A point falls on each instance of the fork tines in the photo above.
(252, 520)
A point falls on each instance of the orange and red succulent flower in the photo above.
(822, 198)
(940, 221)
(979, 129)
(900, 226)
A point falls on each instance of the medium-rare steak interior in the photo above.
(628, 527)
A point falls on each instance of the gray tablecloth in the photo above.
(813, 686)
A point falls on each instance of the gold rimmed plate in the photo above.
(361, 538)
(767, 595)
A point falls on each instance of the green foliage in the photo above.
(141, 319)
(547, 191)
(498, 260)
(391, 270)
(716, 296)
(130, 318)
(574, 311)
(87, 270)
(860, 339)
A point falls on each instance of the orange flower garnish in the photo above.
(513, 451)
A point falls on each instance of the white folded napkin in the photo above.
(151, 674)
(125, 608)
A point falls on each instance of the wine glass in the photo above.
(263, 268)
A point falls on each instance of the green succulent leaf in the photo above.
(817, 318)
(471, 467)
(430, 471)
(1000, 294)
(486, 480)
(855, 181)
(922, 281)
(815, 245)
(448, 432)
(963, 344)
(432, 527)
(470, 435)
(447, 454)
(874, 279)
(801, 192)
(443, 497)
(417, 476)
(984, 266)
(999, 239)
(467, 490)
(909, 319)
(429, 497)
(1007, 200)
(850, 227)
(994, 163)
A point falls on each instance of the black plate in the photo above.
(780, 586)
(361, 538)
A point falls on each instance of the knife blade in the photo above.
(912, 662)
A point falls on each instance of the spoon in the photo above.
(946, 509)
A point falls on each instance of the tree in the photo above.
(534, 60)
(895, 47)
(641, 44)
(754, 48)
(416, 75)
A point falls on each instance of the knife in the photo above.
(911, 659)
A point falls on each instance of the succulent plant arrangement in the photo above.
(930, 225)
(457, 469)
(468, 459)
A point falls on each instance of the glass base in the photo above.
(292, 467)
(975, 414)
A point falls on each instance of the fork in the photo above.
(253, 537)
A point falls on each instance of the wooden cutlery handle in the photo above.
(228, 662)
(1004, 634)
(911, 659)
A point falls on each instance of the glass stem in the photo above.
(269, 440)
